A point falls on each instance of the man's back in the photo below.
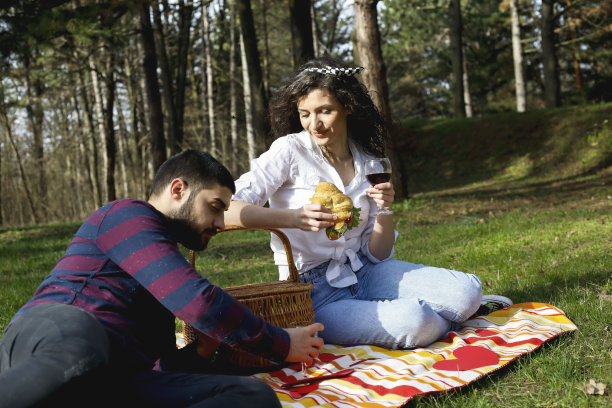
(121, 236)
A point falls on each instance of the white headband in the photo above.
(336, 71)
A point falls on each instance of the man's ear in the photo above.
(178, 189)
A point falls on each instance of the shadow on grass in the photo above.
(31, 232)
(556, 288)
(559, 188)
(36, 242)
(543, 143)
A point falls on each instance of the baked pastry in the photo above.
(341, 205)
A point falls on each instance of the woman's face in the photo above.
(323, 117)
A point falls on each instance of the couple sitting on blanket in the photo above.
(100, 328)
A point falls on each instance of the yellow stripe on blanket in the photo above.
(389, 378)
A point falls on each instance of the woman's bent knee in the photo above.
(420, 326)
(469, 296)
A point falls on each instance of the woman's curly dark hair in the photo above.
(365, 124)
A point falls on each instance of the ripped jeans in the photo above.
(394, 304)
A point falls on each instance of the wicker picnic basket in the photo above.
(283, 303)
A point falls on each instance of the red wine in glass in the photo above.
(377, 178)
(378, 171)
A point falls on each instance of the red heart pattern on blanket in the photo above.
(468, 358)
(515, 332)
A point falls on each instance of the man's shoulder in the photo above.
(119, 211)
(127, 204)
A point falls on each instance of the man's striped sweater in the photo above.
(124, 266)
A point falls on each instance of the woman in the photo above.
(326, 127)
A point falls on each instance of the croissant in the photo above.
(341, 205)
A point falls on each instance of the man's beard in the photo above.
(184, 229)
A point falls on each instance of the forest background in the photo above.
(95, 95)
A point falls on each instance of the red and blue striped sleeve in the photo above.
(136, 238)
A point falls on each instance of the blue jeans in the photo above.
(394, 304)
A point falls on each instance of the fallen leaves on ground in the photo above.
(594, 388)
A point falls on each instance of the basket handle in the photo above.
(294, 276)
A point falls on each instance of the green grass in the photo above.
(535, 225)
(27, 255)
(558, 254)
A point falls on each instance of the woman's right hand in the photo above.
(314, 217)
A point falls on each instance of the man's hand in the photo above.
(304, 345)
(206, 345)
(313, 217)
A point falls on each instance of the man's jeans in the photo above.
(51, 346)
(55, 354)
(394, 304)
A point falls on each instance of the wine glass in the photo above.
(379, 171)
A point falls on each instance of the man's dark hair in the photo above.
(196, 168)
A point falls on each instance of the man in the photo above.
(100, 327)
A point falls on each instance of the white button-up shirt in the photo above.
(286, 177)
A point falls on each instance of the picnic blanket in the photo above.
(369, 376)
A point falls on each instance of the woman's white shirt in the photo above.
(286, 176)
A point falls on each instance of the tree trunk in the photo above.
(466, 87)
(122, 149)
(261, 125)
(36, 117)
(456, 51)
(315, 34)
(156, 118)
(233, 92)
(266, 49)
(375, 78)
(110, 143)
(184, 35)
(166, 80)
(144, 148)
(552, 95)
(70, 176)
(575, 53)
(9, 134)
(210, 102)
(370, 54)
(131, 134)
(517, 56)
(301, 31)
(92, 143)
(1, 169)
(1, 178)
(335, 9)
(100, 121)
(248, 104)
(84, 161)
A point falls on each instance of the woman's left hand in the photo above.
(383, 194)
